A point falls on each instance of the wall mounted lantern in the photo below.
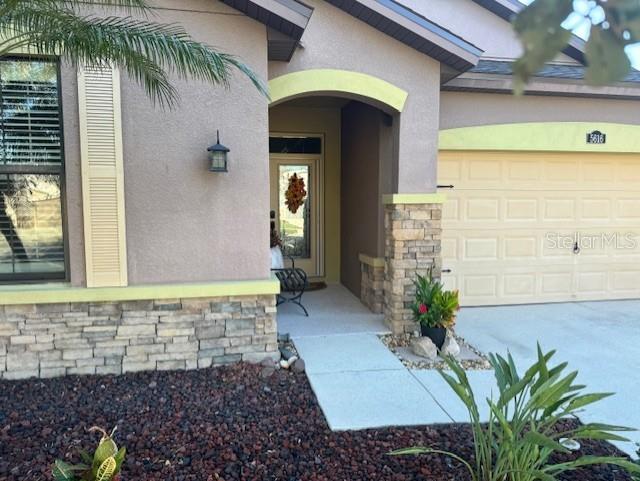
(218, 156)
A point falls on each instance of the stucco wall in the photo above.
(361, 199)
(318, 120)
(475, 24)
(73, 189)
(335, 39)
(462, 109)
(184, 223)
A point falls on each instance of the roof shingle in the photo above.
(571, 72)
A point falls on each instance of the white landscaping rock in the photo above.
(450, 347)
(287, 363)
(424, 347)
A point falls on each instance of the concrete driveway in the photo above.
(360, 384)
(599, 339)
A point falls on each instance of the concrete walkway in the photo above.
(360, 384)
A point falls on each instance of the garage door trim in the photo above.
(542, 136)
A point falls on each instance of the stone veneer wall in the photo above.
(372, 287)
(412, 246)
(47, 340)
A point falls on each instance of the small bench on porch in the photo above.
(293, 283)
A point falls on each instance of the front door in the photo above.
(300, 226)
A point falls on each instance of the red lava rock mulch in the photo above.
(219, 424)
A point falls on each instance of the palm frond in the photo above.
(127, 6)
(148, 52)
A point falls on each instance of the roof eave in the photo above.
(494, 83)
(414, 30)
(506, 9)
(289, 18)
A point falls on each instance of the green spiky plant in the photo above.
(434, 306)
(524, 430)
(118, 33)
(104, 465)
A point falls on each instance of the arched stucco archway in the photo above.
(342, 83)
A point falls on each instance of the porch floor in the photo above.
(334, 310)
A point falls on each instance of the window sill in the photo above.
(53, 293)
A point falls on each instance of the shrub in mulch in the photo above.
(220, 424)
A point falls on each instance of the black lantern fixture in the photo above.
(218, 156)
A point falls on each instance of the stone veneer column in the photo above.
(372, 283)
(412, 246)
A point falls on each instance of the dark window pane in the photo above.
(295, 145)
(30, 113)
(31, 225)
(31, 234)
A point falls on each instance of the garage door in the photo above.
(541, 227)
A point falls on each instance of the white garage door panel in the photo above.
(510, 224)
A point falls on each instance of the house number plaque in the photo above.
(596, 137)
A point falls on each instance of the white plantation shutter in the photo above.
(102, 176)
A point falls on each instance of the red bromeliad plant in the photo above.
(434, 306)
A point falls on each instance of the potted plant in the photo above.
(434, 309)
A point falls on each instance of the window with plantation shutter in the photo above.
(31, 171)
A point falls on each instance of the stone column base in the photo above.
(372, 283)
(412, 247)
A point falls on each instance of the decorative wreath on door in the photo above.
(295, 194)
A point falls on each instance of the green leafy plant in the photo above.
(543, 27)
(636, 476)
(524, 428)
(434, 306)
(104, 465)
(148, 52)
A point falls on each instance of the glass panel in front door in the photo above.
(294, 221)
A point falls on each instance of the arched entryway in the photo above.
(337, 130)
(338, 83)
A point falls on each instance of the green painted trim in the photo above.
(60, 293)
(371, 261)
(542, 136)
(326, 81)
(414, 199)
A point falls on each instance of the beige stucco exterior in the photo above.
(166, 177)
(465, 109)
(73, 187)
(476, 24)
(336, 40)
(223, 236)
(362, 130)
(183, 223)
